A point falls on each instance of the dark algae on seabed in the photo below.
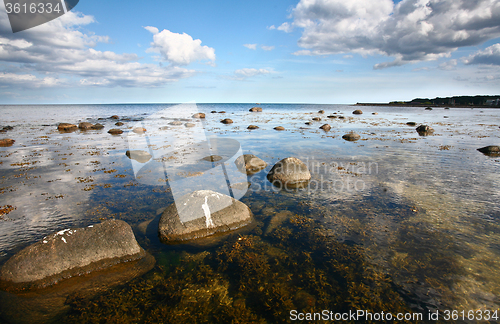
(253, 279)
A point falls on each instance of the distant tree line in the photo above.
(455, 101)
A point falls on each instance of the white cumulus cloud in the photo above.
(488, 56)
(179, 49)
(60, 54)
(250, 46)
(409, 31)
(267, 48)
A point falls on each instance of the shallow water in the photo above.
(420, 211)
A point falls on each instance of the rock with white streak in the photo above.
(201, 214)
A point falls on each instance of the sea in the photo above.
(394, 223)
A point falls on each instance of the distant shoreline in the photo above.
(414, 105)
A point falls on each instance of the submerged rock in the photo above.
(424, 130)
(119, 124)
(227, 121)
(199, 115)
(85, 125)
(351, 137)
(249, 164)
(176, 123)
(115, 131)
(72, 252)
(316, 119)
(67, 127)
(201, 214)
(289, 173)
(189, 125)
(212, 158)
(115, 117)
(411, 123)
(138, 155)
(357, 112)
(321, 112)
(252, 127)
(492, 150)
(4, 142)
(256, 109)
(279, 128)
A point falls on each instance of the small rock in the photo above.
(424, 130)
(428, 108)
(115, 117)
(175, 123)
(6, 128)
(307, 123)
(374, 113)
(212, 158)
(119, 124)
(316, 119)
(351, 137)
(138, 155)
(222, 112)
(139, 130)
(189, 125)
(332, 116)
(326, 127)
(6, 142)
(97, 126)
(411, 123)
(289, 173)
(226, 121)
(492, 150)
(199, 115)
(115, 131)
(357, 112)
(279, 128)
(321, 112)
(249, 164)
(256, 109)
(341, 117)
(85, 125)
(447, 108)
(252, 127)
(67, 127)
(201, 214)
(213, 112)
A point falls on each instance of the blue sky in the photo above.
(310, 51)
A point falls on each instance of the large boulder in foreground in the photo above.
(289, 173)
(91, 260)
(201, 214)
(492, 150)
(72, 252)
(249, 164)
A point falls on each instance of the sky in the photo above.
(280, 51)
